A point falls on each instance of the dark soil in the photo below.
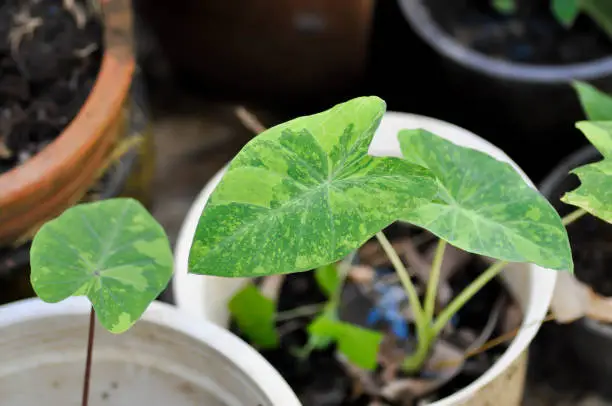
(553, 359)
(531, 35)
(48, 66)
(321, 380)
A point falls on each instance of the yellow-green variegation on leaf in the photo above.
(304, 194)
(595, 191)
(113, 252)
(484, 206)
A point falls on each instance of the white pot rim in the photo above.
(188, 289)
(235, 350)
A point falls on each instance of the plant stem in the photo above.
(466, 295)
(415, 361)
(90, 341)
(404, 277)
(301, 311)
(573, 216)
(434, 280)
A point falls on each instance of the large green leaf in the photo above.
(484, 205)
(304, 194)
(113, 252)
(596, 104)
(255, 316)
(595, 192)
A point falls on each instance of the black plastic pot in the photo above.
(589, 340)
(522, 108)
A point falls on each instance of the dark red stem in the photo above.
(90, 341)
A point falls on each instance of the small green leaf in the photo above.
(359, 345)
(596, 104)
(599, 11)
(504, 6)
(484, 206)
(113, 252)
(328, 279)
(300, 195)
(254, 314)
(599, 133)
(595, 192)
(565, 11)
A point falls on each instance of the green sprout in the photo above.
(113, 252)
(566, 11)
(305, 194)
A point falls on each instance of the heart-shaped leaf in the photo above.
(596, 104)
(305, 193)
(113, 252)
(595, 192)
(484, 205)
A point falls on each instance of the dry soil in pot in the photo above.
(49, 59)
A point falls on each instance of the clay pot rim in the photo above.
(84, 131)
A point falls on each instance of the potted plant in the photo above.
(67, 70)
(589, 334)
(305, 194)
(510, 62)
(117, 255)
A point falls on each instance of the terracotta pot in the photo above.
(61, 174)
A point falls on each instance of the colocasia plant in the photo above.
(566, 11)
(113, 252)
(306, 194)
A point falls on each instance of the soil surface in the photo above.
(323, 379)
(530, 35)
(49, 58)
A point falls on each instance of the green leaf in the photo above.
(359, 345)
(113, 252)
(600, 11)
(305, 193)
(328, 279)
(595, 192)
(596, 104)
(565, 11)
(255, 316)
(484, 206)
(504, 6)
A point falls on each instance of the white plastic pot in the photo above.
(531, 285)
(167, 358)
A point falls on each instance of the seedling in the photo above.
(305, 194)
(566, 11)
(113, 252)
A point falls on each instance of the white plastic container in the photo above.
(166, 359)
(531, 285)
